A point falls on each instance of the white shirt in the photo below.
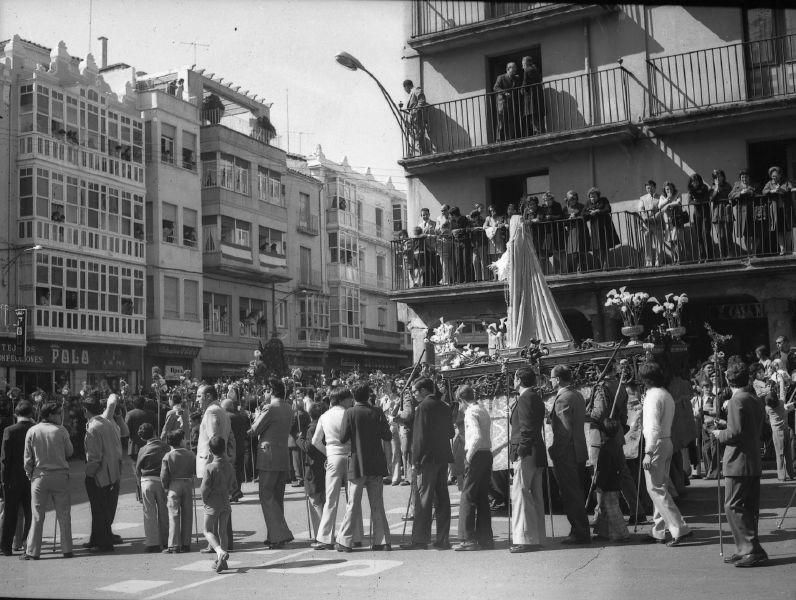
(328, 429)
(477, 430)
(657, 417)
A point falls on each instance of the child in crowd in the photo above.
(177, 473)
(217, 486)
(610, 524)
(196, 421)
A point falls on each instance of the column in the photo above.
(780, 319)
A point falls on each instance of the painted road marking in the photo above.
(264, 552)
(201, 566)
(132, 586)
(349, 568)
(189, 586)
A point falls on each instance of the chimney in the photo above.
(104, 41)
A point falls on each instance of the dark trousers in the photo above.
(499, 486)
(569, 476)
(103, 502)
(475, 518)
(15, 496)
(742, 505)
(240, 462)
(432, 492)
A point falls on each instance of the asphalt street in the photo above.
(605, 570)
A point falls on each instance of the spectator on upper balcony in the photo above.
(505, 103)
(577, 234)
(444, 229)
(495, 229)
(741, 199)
(479, 245)
(671, 205)
(699, 196)
(603, 233)
(476, 217)
(532, 98)
(778, 189)
(416, 118)
(427, 224)
(722, 213)
(180, 88)
(463, 248)
(552, 233)
(418, 260)
(651, 225)
(405, 260)
(531, 215)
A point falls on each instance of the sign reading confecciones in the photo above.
(62, 355)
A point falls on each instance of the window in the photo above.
(171, 297)
(275, 187)
(344, 313)
(26, 192)
(253, 322)
(209, 169)
(313, 319)
(262, 184)
(43, 193)
(344, 248)
(25, 108)
(189, 150)
(169, 222)
(281, 314)
(305, 262)
(381, 269)
(382, 317)
(190, 302)
(235, 232)
(397, 218)
(379, 223)
(272, 241)
(42, 109)
(308, 218)
(189, 220)
(241, 176)
(167, 135)
(215, 308)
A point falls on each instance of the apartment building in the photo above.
(623, 94)
(73, 235)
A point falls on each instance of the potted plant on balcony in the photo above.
(671, 309)
(265, 129)
(212, 109)
(630, 307)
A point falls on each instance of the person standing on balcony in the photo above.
(722, 213)
(699, 194)
(416, 117)
(578, 239)
(552, 232)
(532, 98)
(505, 103)
(651, 225)
(494, 226)
(444, 230)
(742, 199)
(778, 190)
(463, 248)
(603, 232)
(671, 205)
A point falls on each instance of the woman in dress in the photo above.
(603, 232)
(722, 213)
(532, 311)
(444, 231)
(699, 194)
(577, 235)
(651, 225)
(778, 190)
(741, 199)
(671, 205)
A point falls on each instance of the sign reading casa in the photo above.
(57, 355)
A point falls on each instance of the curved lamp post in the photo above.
(352, 63)
(20, 250)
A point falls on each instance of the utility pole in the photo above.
(195, 46)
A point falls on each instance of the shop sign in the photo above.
(738, 312)
(57, 355)
(174, 371)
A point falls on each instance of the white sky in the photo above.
(265, 46)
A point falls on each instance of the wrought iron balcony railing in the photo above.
(741, 72)
(552, 107)
(757, 226)
(434, 16)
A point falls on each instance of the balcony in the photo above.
(311, 337)
(248, 127)
(530, 118)
(77, 238)
(58, 321)
(310, 278)
(341, 218)
(218, 325)
(309, 224)
(381, 338)
(345, 273)
(747, 77)
(221, 256)
(438, 24)
(647, 243)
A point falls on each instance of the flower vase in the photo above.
(633, 332)
(676, 332)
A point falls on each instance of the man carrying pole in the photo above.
(742, 468)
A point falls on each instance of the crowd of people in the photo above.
(365, 432)
(725, 221)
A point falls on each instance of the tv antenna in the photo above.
(195, 46)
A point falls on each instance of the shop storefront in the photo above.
(50, 366)
(172, 360)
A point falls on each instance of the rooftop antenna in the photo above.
(195, 46)
(90, 15)
(287, 119)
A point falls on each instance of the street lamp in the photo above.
(352, 64)
(282, 299)
(20, 250)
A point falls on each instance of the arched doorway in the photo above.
(579, 326)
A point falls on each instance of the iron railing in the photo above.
(434, 16)
(552, 107)
(757, 226)
(242, 125)
(740, 72)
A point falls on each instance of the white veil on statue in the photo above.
(532, 310)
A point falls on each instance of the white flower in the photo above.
(624, 309)
(658, 309)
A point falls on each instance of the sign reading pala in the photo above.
(57, 355)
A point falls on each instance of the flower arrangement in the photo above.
(630, 304)
(671, 308)
(445, 337)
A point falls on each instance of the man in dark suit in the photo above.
(505, 102)
(239, 424)
(272, 427)
(134, 419)
(16, 485)
(532, 98)
(742, 467)
(314, 469)
(431, 453)
(366, 427)
(568, 452)
(528, 455)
